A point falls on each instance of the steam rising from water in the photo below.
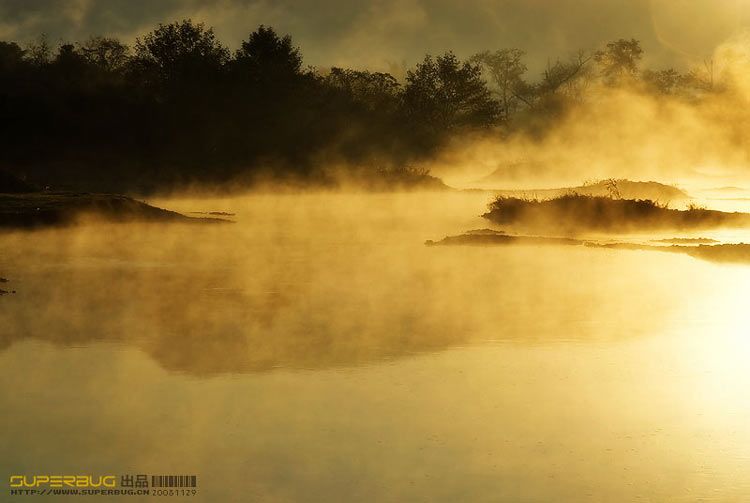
(316, 281)
(625, 132)
(316, 348)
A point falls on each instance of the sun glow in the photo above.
(688, 28)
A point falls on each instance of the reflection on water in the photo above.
(400, 372)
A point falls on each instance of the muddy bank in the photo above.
(44, 209)
(738, 253)
(729, 253)
(483, 237)
(686, 241)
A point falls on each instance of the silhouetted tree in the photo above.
(373, 89)
(619, 60)
(271, 102)
(106, 53)
(265, 56)
(180, 108)
(562, 86)
(69, 64)
(702, 78)
(564, 77)
(39, 51)
(506, 69)
(443, 95)
(177, 54)
(11, 56)
(667, 81)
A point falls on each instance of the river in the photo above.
(317, 350)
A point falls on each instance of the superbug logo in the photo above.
(59, 481)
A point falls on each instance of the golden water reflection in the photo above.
(309, 353)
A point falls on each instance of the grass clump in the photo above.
(574, 211)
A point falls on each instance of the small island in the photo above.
(579, 212)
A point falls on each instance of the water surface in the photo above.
(316, 350)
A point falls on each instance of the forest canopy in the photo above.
(178, 107)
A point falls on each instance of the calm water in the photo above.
(316, 350)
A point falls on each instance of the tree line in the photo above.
(178, 107)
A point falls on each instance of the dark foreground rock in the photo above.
(5, 292)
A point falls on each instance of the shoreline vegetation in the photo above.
(177, 108)
(579, 213)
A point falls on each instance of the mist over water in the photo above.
(316, 350)
(571, 327)
(692, 139)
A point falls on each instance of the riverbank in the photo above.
(43, 209)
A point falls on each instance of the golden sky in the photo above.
(389, 34)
